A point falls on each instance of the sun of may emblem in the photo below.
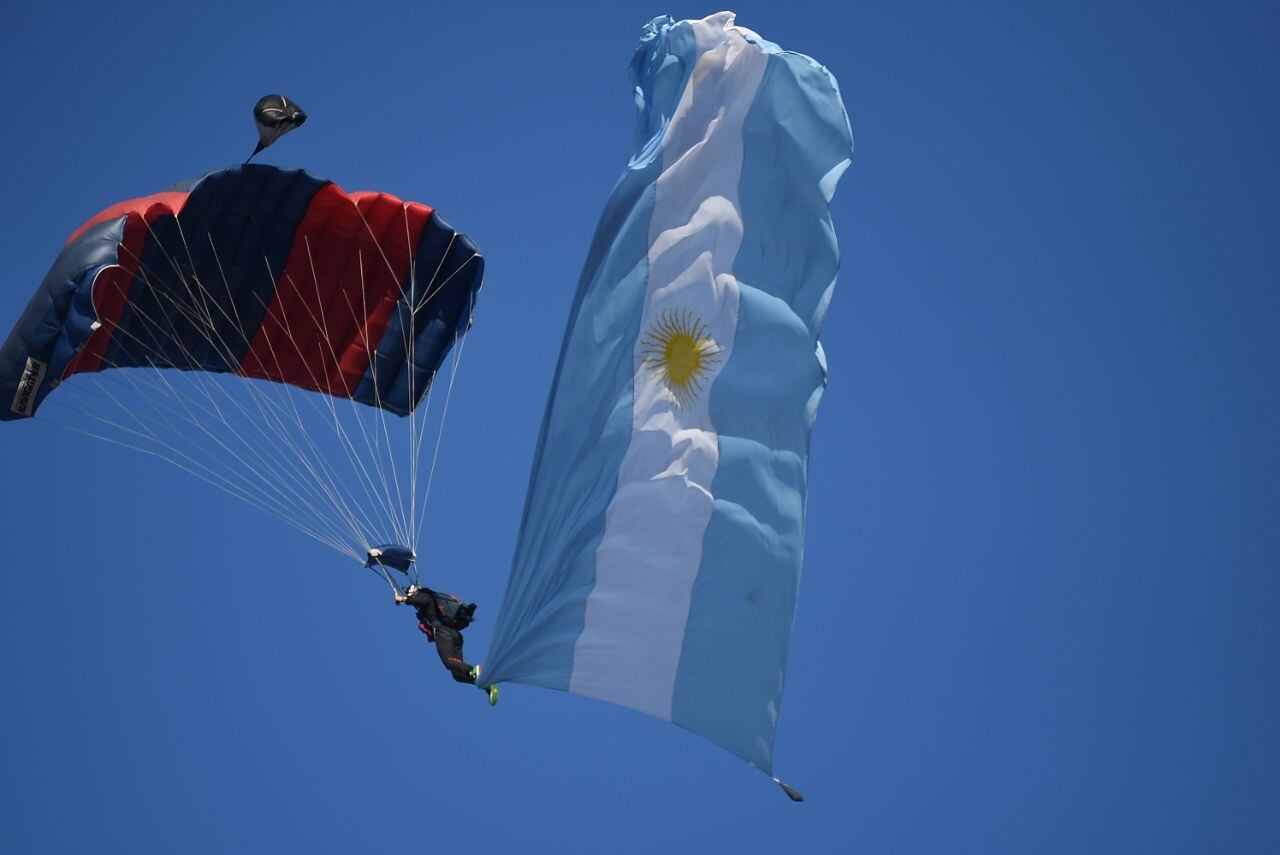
(678, 350)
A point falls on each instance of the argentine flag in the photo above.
(660, 551)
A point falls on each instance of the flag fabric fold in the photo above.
(659, 556)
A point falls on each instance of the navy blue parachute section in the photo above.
(396, 557)
(258, 271)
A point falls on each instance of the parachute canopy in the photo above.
(256, 271)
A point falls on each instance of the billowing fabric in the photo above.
(275, 116)
(659, 556)
(257, 271)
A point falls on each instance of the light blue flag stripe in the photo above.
(728, 645)
(587, 424)
(763, 405)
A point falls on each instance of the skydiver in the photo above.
(441, 617)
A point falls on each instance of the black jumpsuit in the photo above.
(448, 641)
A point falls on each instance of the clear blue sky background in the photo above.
(1038, 610)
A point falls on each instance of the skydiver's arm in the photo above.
(420, 599)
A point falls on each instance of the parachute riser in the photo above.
(381, 572)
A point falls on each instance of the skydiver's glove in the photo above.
(400, 598)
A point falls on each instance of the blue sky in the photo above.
(1038, 606)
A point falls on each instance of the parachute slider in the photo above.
(396, 557)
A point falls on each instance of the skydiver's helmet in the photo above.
(413, 589)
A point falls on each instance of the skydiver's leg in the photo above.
(449, 646)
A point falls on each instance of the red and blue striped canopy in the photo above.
(257, 271)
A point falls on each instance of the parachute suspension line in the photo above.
(435, 274)
(408, 334)
(374, 445)
(417, 427)
(267, 508)
(413, 373)
(401, 532)
(457, 361)
(420, 431)
(196, 379)
(324, 478)
(348, 446)
(461, 267)
(204, 324)
(321, 462)
(202, 385)
(416, 444)
(147, 433)
(312, 459)
(308, 452)
(272, 416)
(453, 375)
(339, 431)
(249, 438)
(382, 573)
(408, 337)
(223, 420)
(398, 519)
(470, 310)
(207, 475)
(160, 412)
(418, 422)
(221, 417)
(163, 414)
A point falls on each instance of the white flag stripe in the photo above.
(651, 549)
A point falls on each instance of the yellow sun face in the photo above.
(678, 350)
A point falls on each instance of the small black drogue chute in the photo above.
(275, 116)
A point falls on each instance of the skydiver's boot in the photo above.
(492, 691)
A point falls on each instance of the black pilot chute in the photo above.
(275, 116)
